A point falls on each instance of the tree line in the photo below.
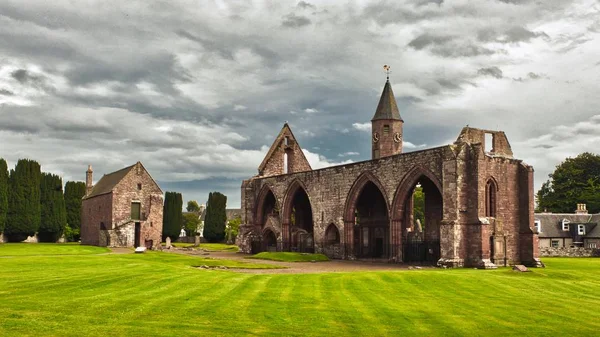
(32, 201)
(215, 221)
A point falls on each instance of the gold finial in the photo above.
(387, 70)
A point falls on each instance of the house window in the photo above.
(139, 187)
(386, 130)
(135, 210)
(538, 226)
(581, 229)
(555, 243)
(565, 225)
(592, 245)
(490, 199)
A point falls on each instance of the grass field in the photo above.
(290, 257)
(160, 294)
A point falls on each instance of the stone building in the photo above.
(478, 200)
(123, 209)
(568, 230)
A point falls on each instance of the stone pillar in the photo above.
(396, 241)
(528, 240)
(349, 240)
(285, 237)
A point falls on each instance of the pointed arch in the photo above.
(288, 197)
(406, 185)
(359, 184)
(491, 191)
(263, 195)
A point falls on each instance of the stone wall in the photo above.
(150, 198)
(94, 212)
(569, 252)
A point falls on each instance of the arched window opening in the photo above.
(332, 235)
(490, 199)
(285, 163)
(301, 222)
(371, 226)
(269, 208)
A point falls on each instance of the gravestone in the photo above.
(197, 241)
(520, 268)
(168, 243)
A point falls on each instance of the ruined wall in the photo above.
(274, 162)
(95, 211)
(569, 252)
(328, 188)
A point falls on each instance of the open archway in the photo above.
(270, 241)
(371, 223)
(267, 207)
(418, 211)
(298, 219)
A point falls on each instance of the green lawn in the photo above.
(290, 257)
(32, 249)
(160, 294)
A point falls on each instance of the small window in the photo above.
(135, 210)
(581, 229)
(538, 226)
(386, 130)
(555, 243)
(139, 187)
(285, 163)
(565, 225)
(286, 141)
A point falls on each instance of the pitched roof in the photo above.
(276, 143)
(387, 107)
(551, 223)
(108, 182)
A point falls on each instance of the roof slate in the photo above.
(551, 224)
(108, 182)
(387, 107)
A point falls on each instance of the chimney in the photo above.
(581, 209)
(88, 180)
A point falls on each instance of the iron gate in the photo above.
(421, 251)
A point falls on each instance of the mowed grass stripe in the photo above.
(161, 294)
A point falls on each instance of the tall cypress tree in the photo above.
(216, 217)
(54, 214)
(74, 192)
(24, 212)
(172, 217)
(3, 193)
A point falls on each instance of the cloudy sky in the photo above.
(197, 90)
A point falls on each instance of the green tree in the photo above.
(419, 206)
(192, 206)
(216, 217)
(574, 181)
(3, 193)
(24, 212)
(172, 216)
(232, 229)
(54, 214)
(191, 222)
(74, 192)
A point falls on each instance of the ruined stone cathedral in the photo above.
(478, 201)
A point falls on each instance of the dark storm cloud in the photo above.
(6, 92)
(306, 5)
(448, 46)
(490, 71)
(295, 21)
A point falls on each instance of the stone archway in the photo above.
(297, 220)
(266, 207)
(269, 241)
(331, 242)
(366, 220)
(417, 214)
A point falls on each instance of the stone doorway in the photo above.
(371, 224)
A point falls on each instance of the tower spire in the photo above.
(386, 124)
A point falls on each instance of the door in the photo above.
(137, 235)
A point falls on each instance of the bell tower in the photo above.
(386, 125)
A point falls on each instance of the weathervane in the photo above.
(387, 70)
